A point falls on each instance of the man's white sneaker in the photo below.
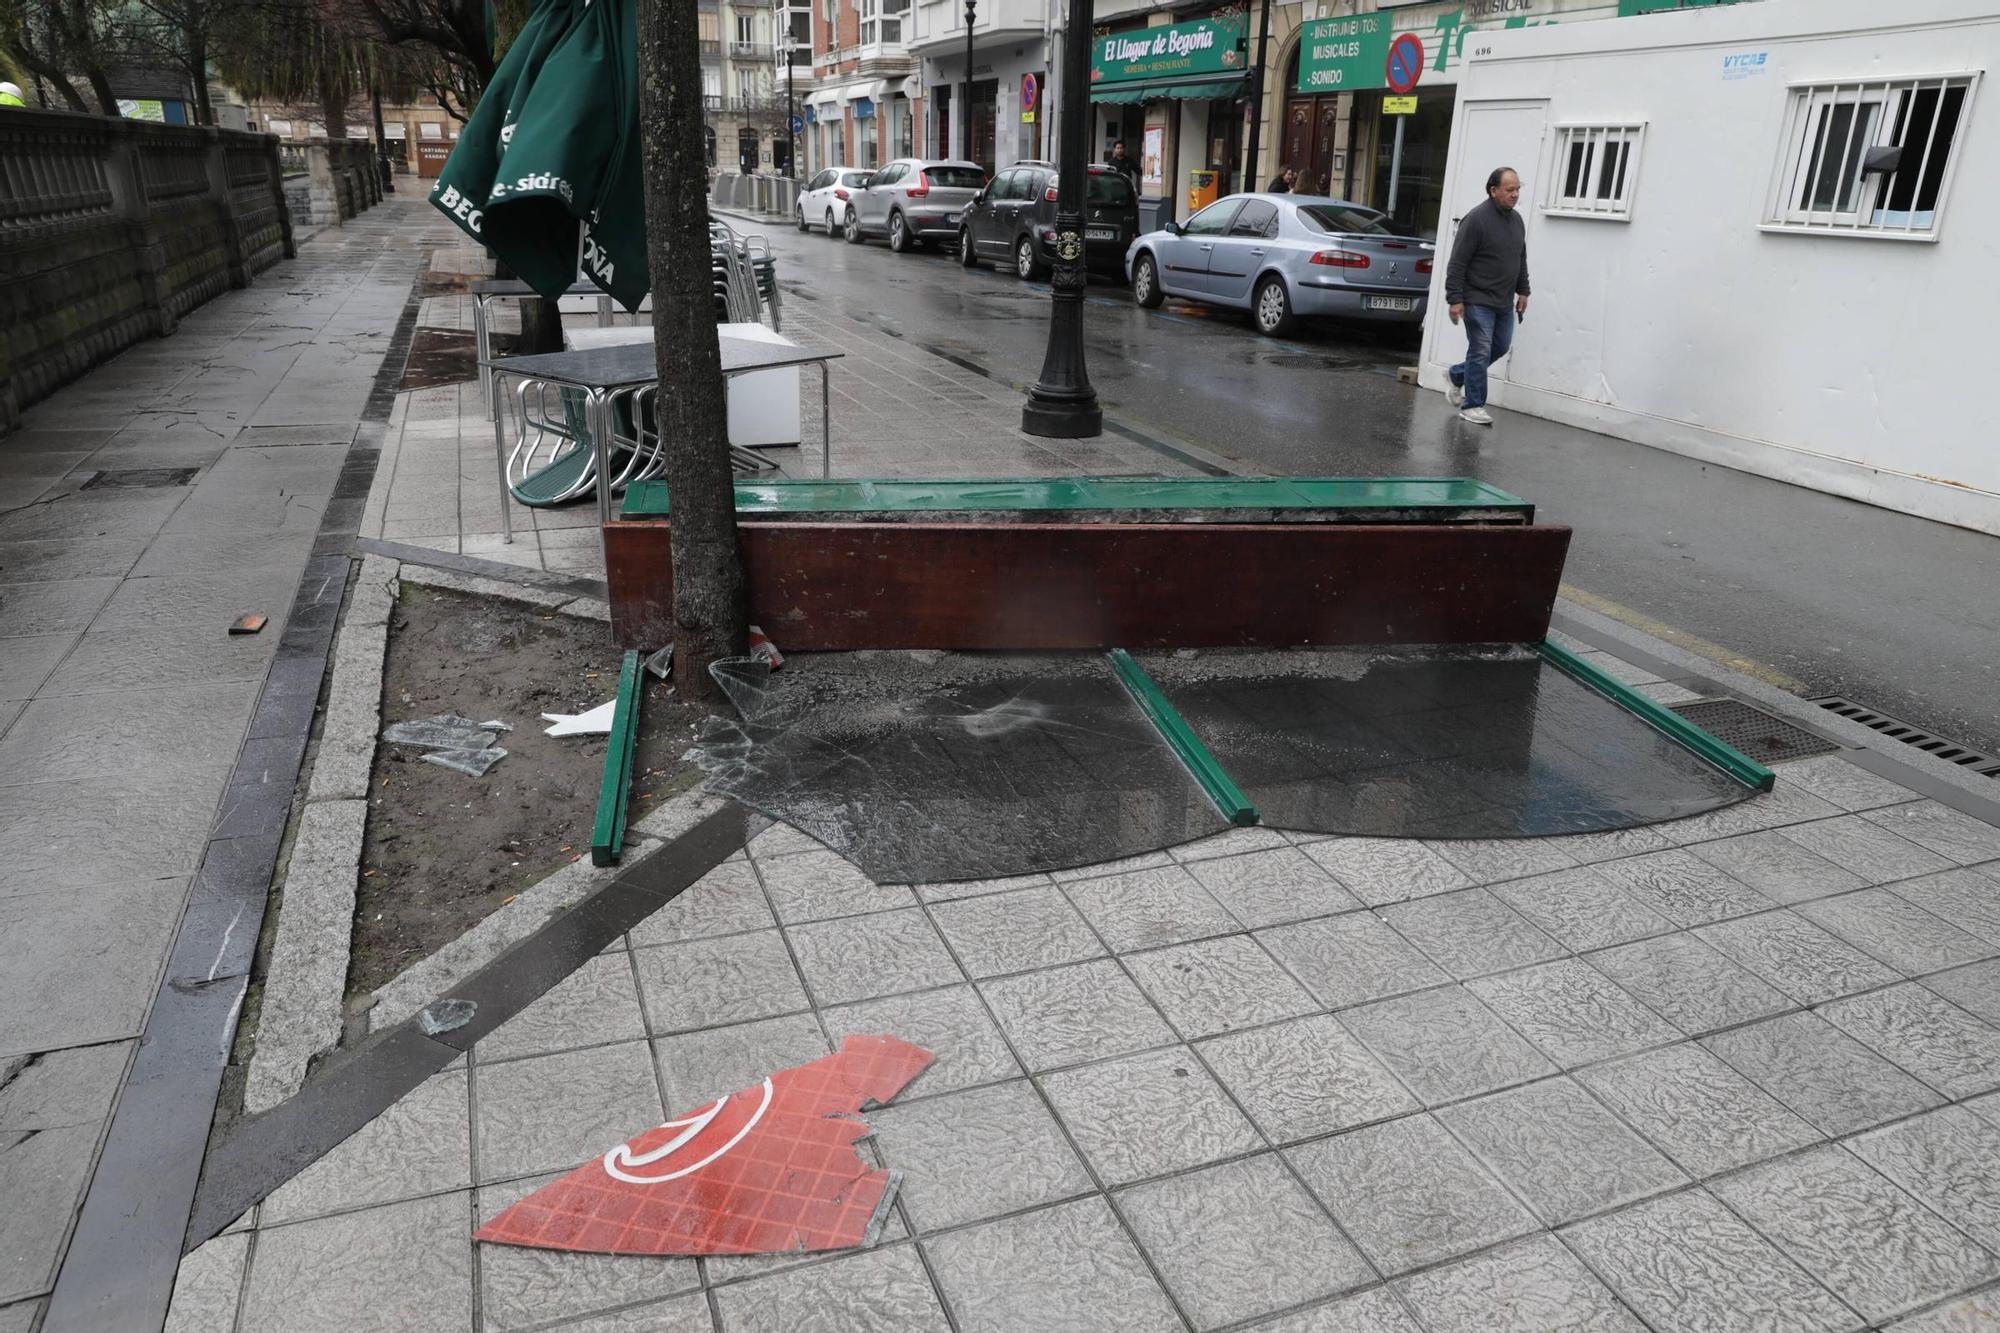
(1478, 416)
(1454, 394)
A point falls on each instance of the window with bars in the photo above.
(1595, 172)
(1870, 158)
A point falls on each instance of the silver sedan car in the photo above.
(1283, 256)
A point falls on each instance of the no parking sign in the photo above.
(1406, 63)
(1031, 95)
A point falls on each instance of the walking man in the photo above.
(1125, 166)
(1486, 285)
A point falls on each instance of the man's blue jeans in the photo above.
(1489, 335)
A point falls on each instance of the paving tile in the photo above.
(1847, 785)
(1948, 1158)
(1807, 963)
(1702, 1113)
(1219, 985)
(976, 1154)
(596, 1004)
(550, 1112)
(782, 840)
(1866, 849)
(1573, 1013)
(1408, 1194)
(682, 1314)
(1069, 1269)
(698, 1067)
(520, 1287)
(885, 1289)
(1777, 867)
(1610, 845)
(1013, 932)
(1560, 1150)
(1831, 1080)
(1376, 1311)
(1387, 870)
(420, 1145)
(1975, 989)
(1149, 908)
(1351, 959)
(813, 886)
(1445, 1045)
(1684, 888)
(951, 1024)
(1784, 804)
(1494, 860)
(1304, 1078)
(42, 1177)
(1978, 1313)
(1065, 1015)
(81, 966)
(1688, 983)
(1968, 899)
(63, 607)
(1581, 909)
(1686, 1264)
(1124, 865)
(726, 901)
(711, 982)
(974, 888)
(103, 830)
(1470, 933)
(304, 1277)
(207, 1289)
(1930, 1037)
(1534, 1286)
(1269, 888)
(1941, 829)
(177, 729)
(1896, 931)
(1871, 1244)
(26, 662)
(1240, 1240)
(1230, 842)
(861, 957)
(1147, 1114)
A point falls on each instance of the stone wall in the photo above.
(112, 230)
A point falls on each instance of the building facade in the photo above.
(1753, 233)
(1005, 117)
(865, 103)
(742, 46)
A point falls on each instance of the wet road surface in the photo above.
(1896, 612)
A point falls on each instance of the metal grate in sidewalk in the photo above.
(1950, 751)
(1763, 737)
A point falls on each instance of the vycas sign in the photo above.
(1206, 46)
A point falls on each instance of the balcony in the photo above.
(711, 48)
(751, 51)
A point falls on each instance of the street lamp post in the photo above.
(965, 112)
(791, 100)
(1061, 404)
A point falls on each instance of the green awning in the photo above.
(1235, 85)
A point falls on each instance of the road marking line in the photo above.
(1683, 640)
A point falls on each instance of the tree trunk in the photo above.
(710, 619)
(100, 87)
(541, 328)
(197, 58)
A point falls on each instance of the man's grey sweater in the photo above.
(1489, 258)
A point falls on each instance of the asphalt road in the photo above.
(1896, 612)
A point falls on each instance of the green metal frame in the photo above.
(614, 797)
(1174, 730)
(1660, 718)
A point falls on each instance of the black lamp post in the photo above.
(1061, 404)
(791, 100)
(965, 112)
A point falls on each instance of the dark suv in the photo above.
(1013, 221)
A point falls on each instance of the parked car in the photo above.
(1013, 220)
(825, 198)
(914, 199)
(1282, 256)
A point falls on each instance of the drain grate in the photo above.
(1765, 738)
(1951, 752)
(140, 478)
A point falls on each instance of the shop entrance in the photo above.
(1312, 139)
(1426, 137)
(985, 121)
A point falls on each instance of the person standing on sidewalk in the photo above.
(1486, 285)
(1123, 164)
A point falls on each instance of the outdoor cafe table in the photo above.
(602, 374)
(488, 290)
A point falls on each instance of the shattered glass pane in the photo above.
(447, 732)
(1433, 743)
(927, 766)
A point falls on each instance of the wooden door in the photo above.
(1325, 142)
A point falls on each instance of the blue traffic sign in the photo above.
(1406, 62)
(798, 124)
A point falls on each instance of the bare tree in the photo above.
(61, 39)
(710, 620)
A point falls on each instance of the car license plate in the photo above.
(1100, 233)
(1389, 303)
(950, 218)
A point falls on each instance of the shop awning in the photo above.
(1193, 90)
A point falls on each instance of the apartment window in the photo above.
(1596, 171)
(882, 20)
(1868, 159)
(746, 28)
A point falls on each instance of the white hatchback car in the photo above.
(824, 201)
